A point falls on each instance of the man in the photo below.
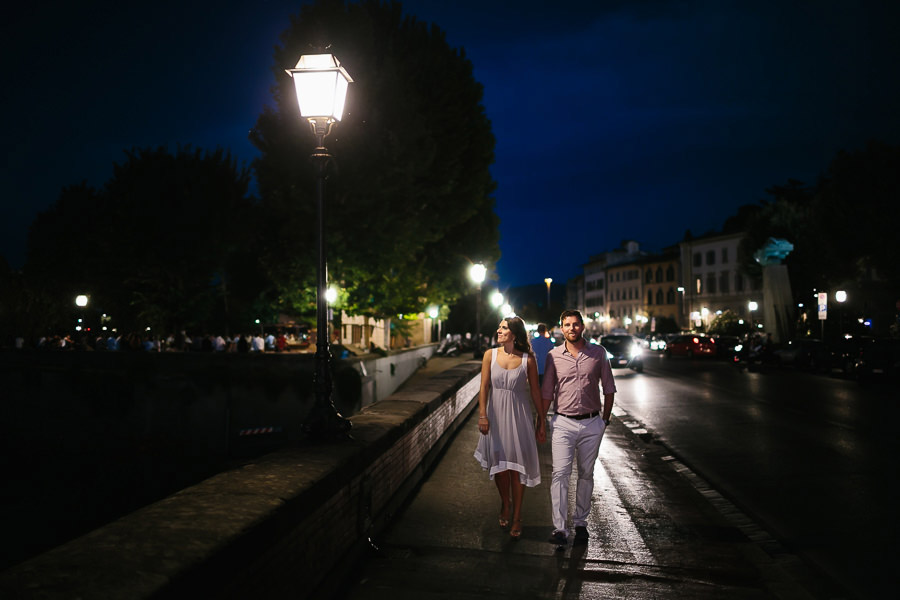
(541, 346)
(574, 372)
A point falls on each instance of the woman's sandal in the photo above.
(504, 522)
(516, 531)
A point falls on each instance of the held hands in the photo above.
(540, 430)
(484, 425)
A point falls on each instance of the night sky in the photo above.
(614, 120)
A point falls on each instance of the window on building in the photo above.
(648, 276)
(599, 284)
(649, 297)
(698, 259)
(710, 257)
(659, 296)
(670, 296)
(724, 286)
(659, 275)
(711, 283)
(738, 282)
(600, 301)
(670, 273)
(724, 256)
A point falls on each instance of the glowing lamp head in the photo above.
(477, 273)
(321, 85)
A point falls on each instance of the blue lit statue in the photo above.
(775, 251)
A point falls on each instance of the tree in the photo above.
(843, 229)
(165, 244)
(727, 323)
(410, 205)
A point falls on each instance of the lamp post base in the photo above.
(326, 424)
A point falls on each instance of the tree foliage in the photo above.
(164, 244)
(843, 228)
(409, 202)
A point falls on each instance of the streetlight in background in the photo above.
(321, 84)
(477, 273)
(497, 300)
(548, 281)
(433, 313)
(81, 301)
(840, 296)
(752, 306)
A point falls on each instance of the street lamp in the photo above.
(477, 273)
(497, 300)
(841, 297)
(548, 281)
(81, 301)
(321, 84)
(752, 307)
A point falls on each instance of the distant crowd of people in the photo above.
(178, 342)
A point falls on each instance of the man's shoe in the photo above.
(581, 535)
(558, 538)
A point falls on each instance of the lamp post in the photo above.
(81, 301)
(752, 307)
(841, 297)
(497, 300)
(548, 281)
(321, 84)
(477, 273)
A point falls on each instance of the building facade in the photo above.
(662, 299)
(713, 282)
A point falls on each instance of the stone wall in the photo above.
(287, 524)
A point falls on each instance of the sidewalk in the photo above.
(656, 532)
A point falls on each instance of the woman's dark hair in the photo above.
(521, 341)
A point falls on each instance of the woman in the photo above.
(507, 447)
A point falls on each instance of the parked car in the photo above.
(656, 342)
(725, 345)
(624, 351)
(691, 345)
(803, 353)
(842, 356)
(880, 359)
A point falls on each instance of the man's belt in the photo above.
(581, 417)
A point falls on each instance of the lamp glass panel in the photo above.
(316, 93)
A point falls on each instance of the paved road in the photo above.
(657, 532)
(809, 456)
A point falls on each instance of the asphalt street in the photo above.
(657, 531)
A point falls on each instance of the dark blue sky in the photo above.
(613, 120)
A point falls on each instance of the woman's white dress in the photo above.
(510, 443)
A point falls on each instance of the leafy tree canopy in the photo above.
(843, 228)
(409, 203)
(159, 246)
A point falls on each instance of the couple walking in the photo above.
(574, 371)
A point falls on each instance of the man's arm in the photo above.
(607, 405)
